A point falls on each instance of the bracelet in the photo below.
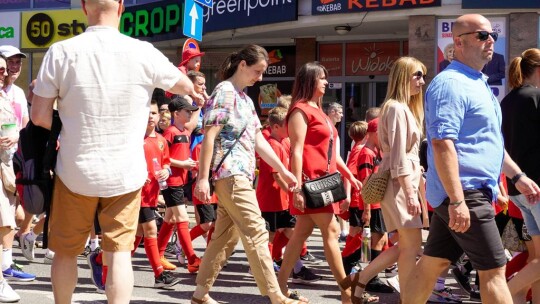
(456, 203)
(297, 190)
(516, 177)
(169, 170)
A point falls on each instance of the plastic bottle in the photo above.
(366, 245)
(157, 168)
(8, 130)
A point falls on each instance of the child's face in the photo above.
(154, 116)
(164, 122)
(183, 116)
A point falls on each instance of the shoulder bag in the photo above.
(212, 172)
(375, 187)
(325, 190)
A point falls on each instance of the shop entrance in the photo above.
(356, 98)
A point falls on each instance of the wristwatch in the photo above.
(516, 177)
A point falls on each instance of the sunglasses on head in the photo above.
(483, 35)
(419, 75)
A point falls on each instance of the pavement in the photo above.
(233, 285)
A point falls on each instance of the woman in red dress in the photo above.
(311, 133)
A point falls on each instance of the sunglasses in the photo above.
(483, 35)
(419, 75)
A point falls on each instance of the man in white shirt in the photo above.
(103, 82)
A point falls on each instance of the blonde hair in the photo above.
(399, 87)
(284, 101)
(358, 130)
(277, 115)
(522, 67)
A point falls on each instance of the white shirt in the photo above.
(16, 96)
(104, 82)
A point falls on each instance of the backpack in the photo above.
(35, 160)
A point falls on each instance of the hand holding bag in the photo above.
(325, 190)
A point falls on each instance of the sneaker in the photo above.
(308, 257)
(393, 282)
(342, 238)
(446, 294)
(96, 270)
(27, 247)
(181, 257)
(391, 271)
(166, 264)
(166, 280)
(433, 298)
(194, 267)
(7, 294)
(462, 279)
(15, 273)
(171, 249)
(49, 256)
(305, 276)
(376, 285)
(276, 267)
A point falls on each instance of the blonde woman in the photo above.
(400, 126)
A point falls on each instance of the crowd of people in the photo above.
(449, 154)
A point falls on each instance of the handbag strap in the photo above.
(228, 152)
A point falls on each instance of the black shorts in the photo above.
(207, 213)
(278, 220)
(174, 196)
(147, 214)
(481, 241)
(376, 222)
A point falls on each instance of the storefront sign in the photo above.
(495, 69)
(281, 61)
(156, 21)
(500, 4)
(43, 28)
(14, 4)
(370, 58)
(265, 94)
(330, 56)
(232, 14)
(325, 7)
(10, 30)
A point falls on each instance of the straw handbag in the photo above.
(375, 187)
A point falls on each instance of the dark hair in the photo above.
(251, 54)
(305, 82)
(522, 67)
(192, 75)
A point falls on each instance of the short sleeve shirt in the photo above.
(368, 163)
(234, 111)
(19, 103)
(270, 196)
(154, 147)
(179, 150)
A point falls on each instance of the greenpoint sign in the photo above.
(154, 21)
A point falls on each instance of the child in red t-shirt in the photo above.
(178, 138)
(273, 197)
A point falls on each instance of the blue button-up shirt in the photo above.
(460, 106)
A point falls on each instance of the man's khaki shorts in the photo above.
(72, 217)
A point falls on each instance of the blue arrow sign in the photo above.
(193, 20)
(208, 3)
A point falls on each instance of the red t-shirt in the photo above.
(315, 153)
(270, 196)
(154, 147)
(352, 164)
(195, 155)
(179, 142)
(368, 162)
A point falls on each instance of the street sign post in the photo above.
(193, 20)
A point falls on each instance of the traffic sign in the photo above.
(193, 20)
(208, 3)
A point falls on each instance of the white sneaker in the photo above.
(49, 256)
(393, 282)
(181, 258)
(7, 294)
(27, 247)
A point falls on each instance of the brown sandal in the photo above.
(353, 283)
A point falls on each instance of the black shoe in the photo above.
(475, 294)
(171, 249)
(376, 285)
(308, 257)
(463, 280)
(305, 276)
(166, 280)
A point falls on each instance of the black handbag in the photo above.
(212, 172)
(325, 190)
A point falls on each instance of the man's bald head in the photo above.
(468, 23)
(103, 12)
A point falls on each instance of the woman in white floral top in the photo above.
(228, 112)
